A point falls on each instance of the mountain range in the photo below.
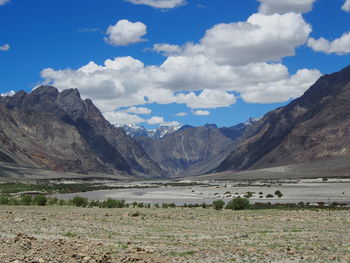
(60, 131)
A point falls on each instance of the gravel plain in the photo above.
(91, 235)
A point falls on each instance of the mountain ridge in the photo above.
(312, 127)
(109, 145)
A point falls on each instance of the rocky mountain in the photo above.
(60, 131)
(140, 131)
(315, 126)
(192, 150)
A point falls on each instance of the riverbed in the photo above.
(307, 191)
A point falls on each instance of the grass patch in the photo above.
(70, 234)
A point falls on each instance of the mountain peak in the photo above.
(211, 126)
(47, 90)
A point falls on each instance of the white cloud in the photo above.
(3, 2)
(5, 47)
(201, 113)
(156, 120)
(124, 33)
(230, 59)
(163, 4)
(284, 6)
(281, 90)
(122, 118)
(160, 120)
(167, 49)
(9, 93)
(346, 6)
(181, 114)
(138, 110)
(125, 82)
(209, 99)
(261, 38)
(340, 46)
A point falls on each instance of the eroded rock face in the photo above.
(61, 131)
(315, 126)
(192, 150)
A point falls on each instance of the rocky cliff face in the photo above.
(73, 129)
(315, 126)
(192, 150)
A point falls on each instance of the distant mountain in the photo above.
(192, 150)
(60, 131)
(137, 131)
(315, 126)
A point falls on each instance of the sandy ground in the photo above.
(68, 234)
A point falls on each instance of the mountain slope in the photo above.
(313, 127)
(108, 145)
(192, 150)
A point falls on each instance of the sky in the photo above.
(174, 62)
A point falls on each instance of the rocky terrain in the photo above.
(313, 127)
(62, 132)
(70, 235)
(59, 131)
(192, 150)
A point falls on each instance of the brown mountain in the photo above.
(60, 131)
(315, 126)
(192, 150)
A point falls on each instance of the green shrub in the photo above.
(248, 195)
(4, 200)
(278, 193)
(238, 204)
(52, 201)
(269, 196)
(204, 205)
(80, 201)
(218, 204)
(25, 200)
(40, 200)
(172, 205)
(112, 203)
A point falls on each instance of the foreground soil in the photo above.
(93, 235)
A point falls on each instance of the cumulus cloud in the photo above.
(156, 120)
(5, 47)
(124, 33)
(9, 93)
(261, 38)
(231, 60)
(269, 7)
(122, 118)
(167, 49)
(194, 81)
(281, 90)
(346, 6)
(339, 46)
(138, 110)
(162, 4)
(181, 114)
(201, 113)
(3, 2)
(209, 99)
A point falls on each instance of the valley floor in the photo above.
(69, 234)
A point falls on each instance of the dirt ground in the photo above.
(94, 235)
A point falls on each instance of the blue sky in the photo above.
(170, 62)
